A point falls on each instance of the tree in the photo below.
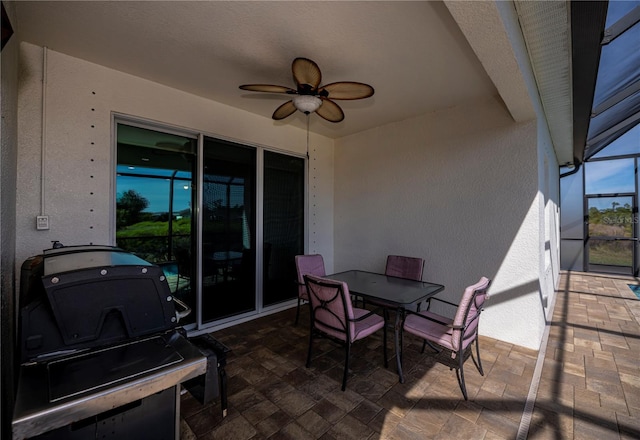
(129, 206)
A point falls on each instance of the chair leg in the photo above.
(384, 344)
(297, 312)
(460, 375)
(401, 347)
(433, 347)
(347, 349)
(479, 362)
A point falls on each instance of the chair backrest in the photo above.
(468, 313)
(331, 309)
(308, 264)
(404, 267)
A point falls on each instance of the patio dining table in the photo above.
(391, 292)
(223, 261)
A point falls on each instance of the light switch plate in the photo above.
(42, 222)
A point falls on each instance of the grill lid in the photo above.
(65, 259)
(82, 301)
(92, 296)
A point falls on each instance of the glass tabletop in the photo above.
(398, 292)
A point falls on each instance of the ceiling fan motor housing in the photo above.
(307, 103)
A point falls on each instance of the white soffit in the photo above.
(547, 32)
(483, 28)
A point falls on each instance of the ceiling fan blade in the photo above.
(330, 111)
(284, 110)
(306, 71)
(347, 90)
(267, 88)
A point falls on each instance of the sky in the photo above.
(614, 176)
(156, 191)
(610, 177)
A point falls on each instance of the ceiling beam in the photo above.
(546, 30)
(587, 27)
(621, 26)
(482, 26)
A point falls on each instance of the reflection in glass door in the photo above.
(611, 234)
(228, 230)
(154, 199)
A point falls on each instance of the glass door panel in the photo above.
(154, 199)
(228, 230)
(611, 233)
(283, 225)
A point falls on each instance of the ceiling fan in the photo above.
(309, 96)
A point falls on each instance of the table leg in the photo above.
(398, 336)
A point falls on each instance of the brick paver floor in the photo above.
(589, 381)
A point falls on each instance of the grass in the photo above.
(611, 254)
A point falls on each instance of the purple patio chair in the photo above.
(307, 264)
(457, 334)
(404, 267)
(333, 316)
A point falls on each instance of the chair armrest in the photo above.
(365, 316)
(429, 318)
(444, 301)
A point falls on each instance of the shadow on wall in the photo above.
(515, 292)
(433, 187)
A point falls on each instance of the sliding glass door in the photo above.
(228, 230)
(234, 256)
(283, 225)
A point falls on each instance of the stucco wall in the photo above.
(461, 187)
(548, 170)
(458, 188)
(78, 147)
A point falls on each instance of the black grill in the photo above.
(101, 348)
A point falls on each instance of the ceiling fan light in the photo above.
(307, 103)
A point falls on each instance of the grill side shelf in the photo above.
(34, 414)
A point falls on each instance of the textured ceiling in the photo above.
(416, 55)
